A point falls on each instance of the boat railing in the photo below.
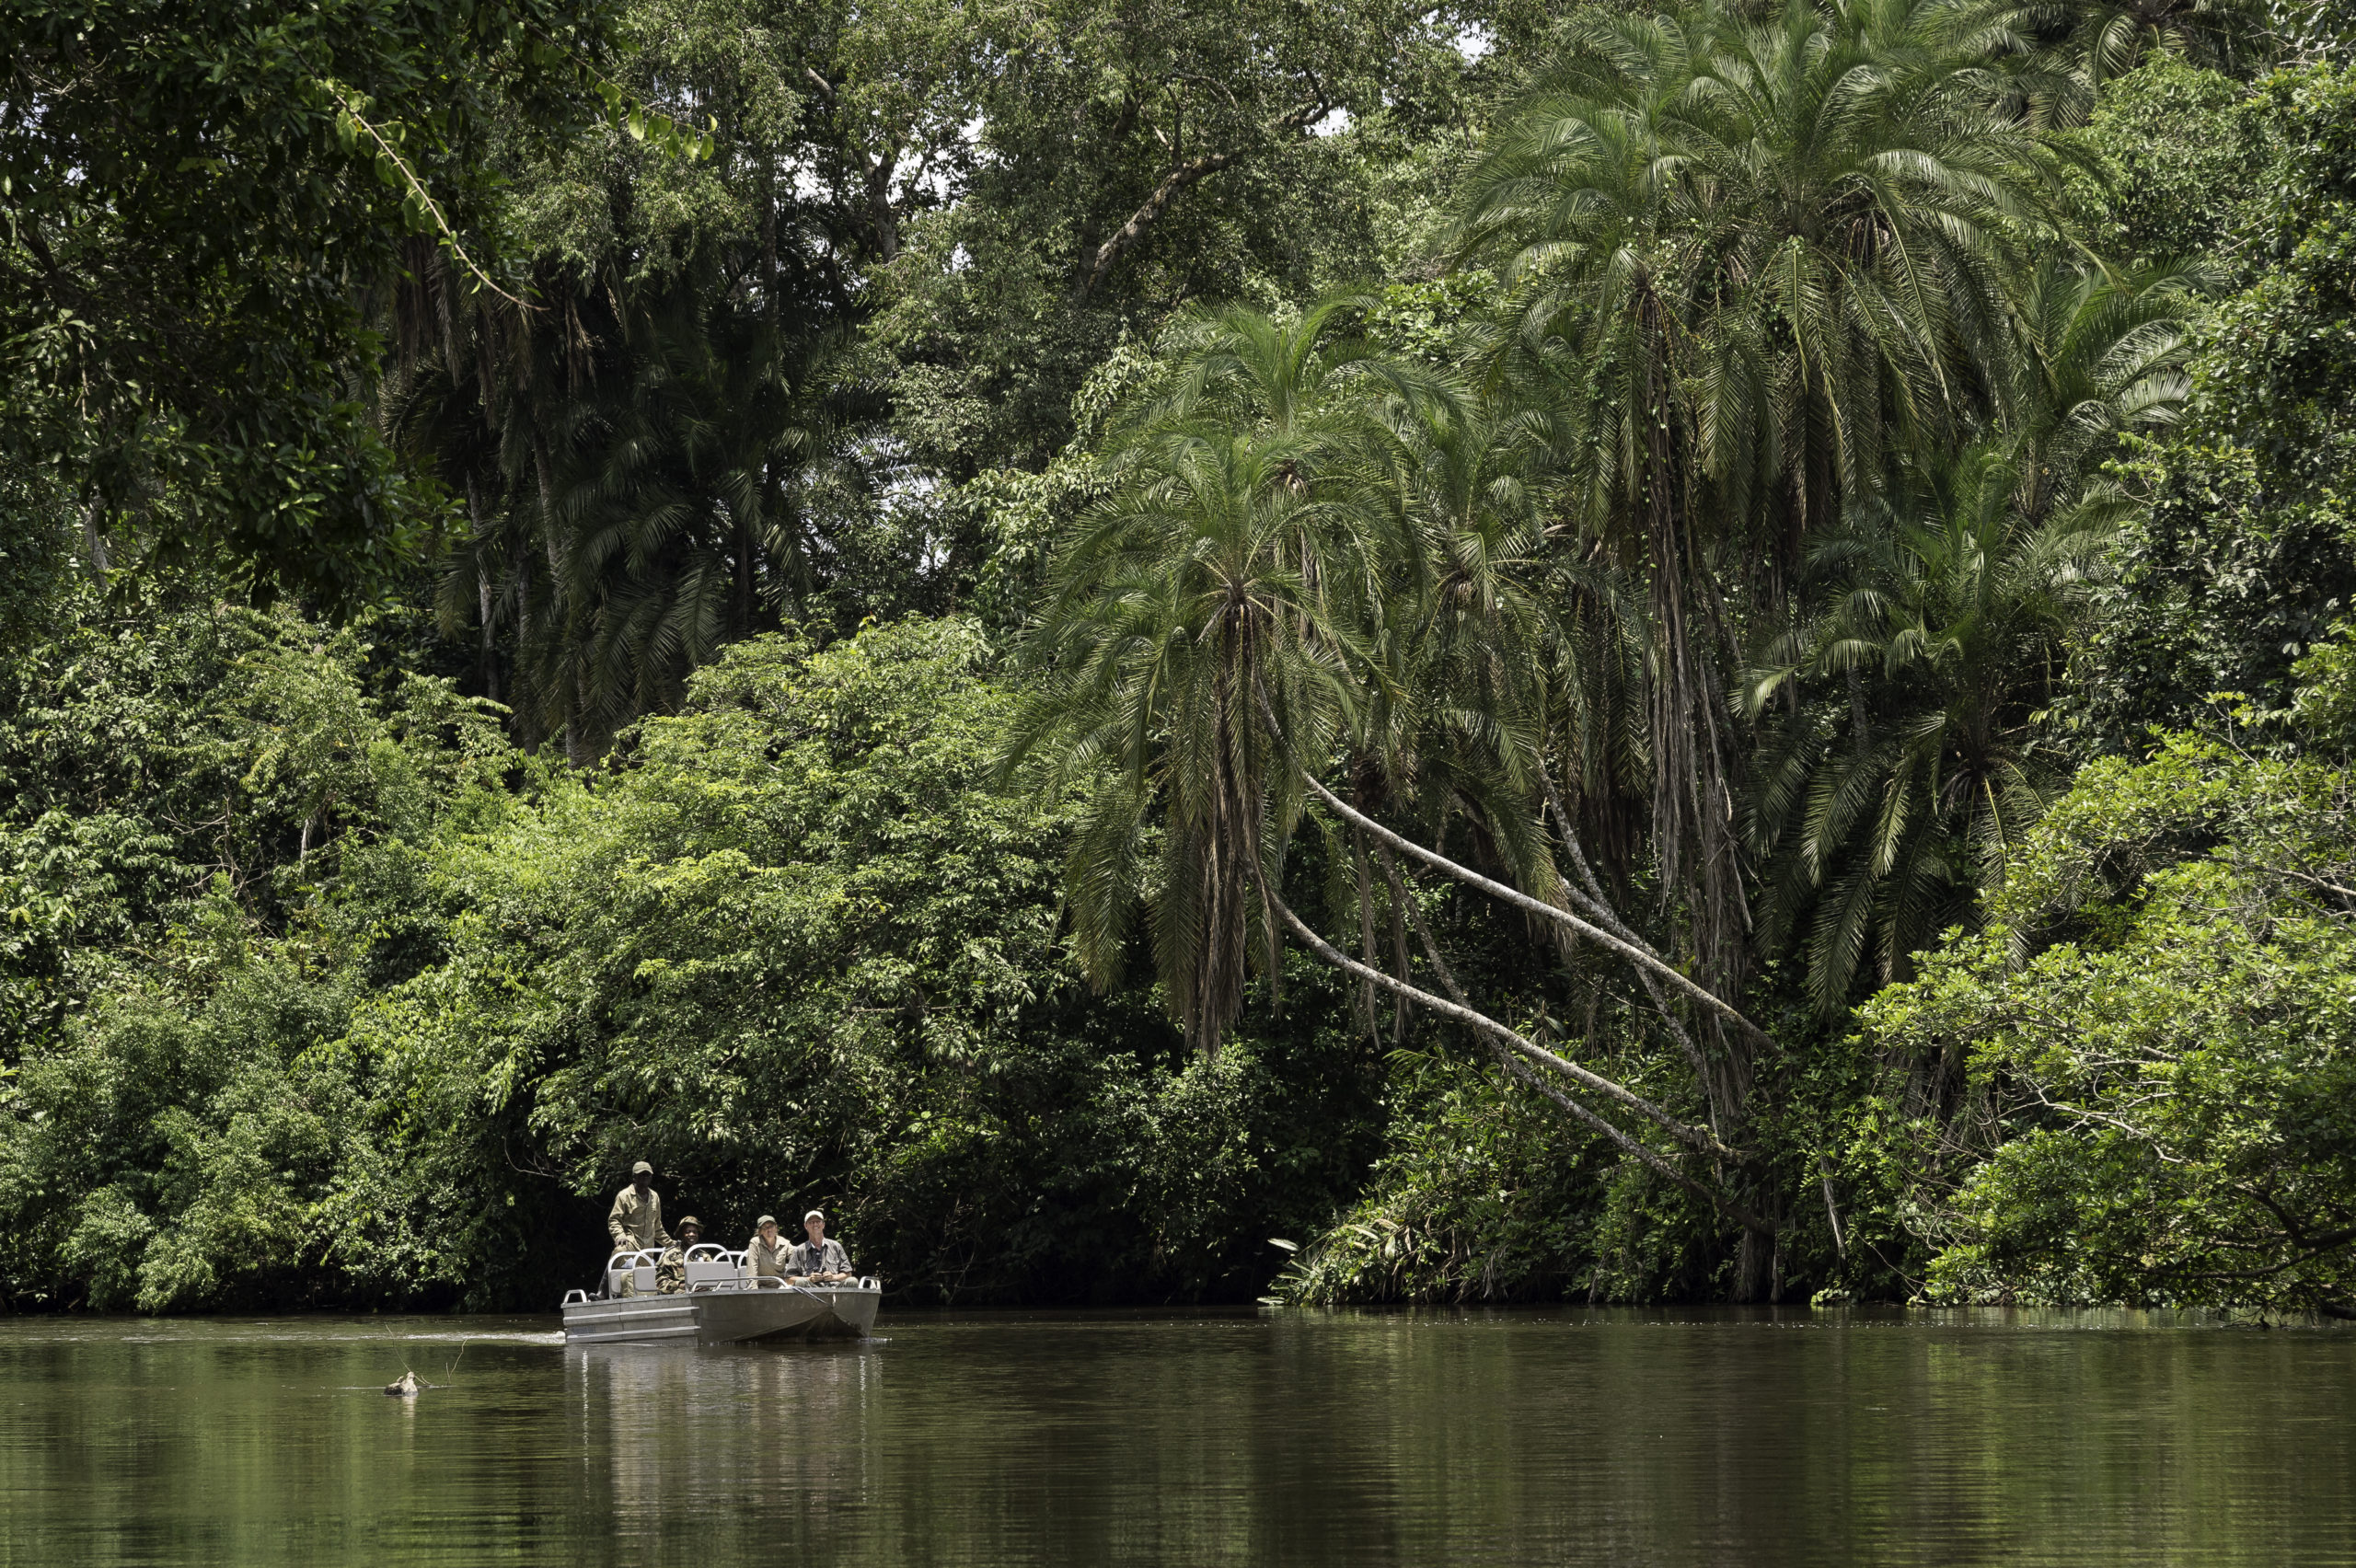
(639, 1264)
(709, 1267)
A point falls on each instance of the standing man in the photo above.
(818, 1261)
(636, 1222)
(766, 1254)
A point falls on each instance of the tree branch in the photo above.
(1634, 953)
(1520, 1071)
(1130, 233)
(1695, 1139)
(1596, 904)
(1188, 173)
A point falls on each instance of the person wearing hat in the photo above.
(636, 1220)
(766, 1253)
(671, 1273)
(817, 1261)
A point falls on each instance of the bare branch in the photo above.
(1650, 1159)
(1696, 1138)
(1634, 953)
(1130, 233)
(1601, 910)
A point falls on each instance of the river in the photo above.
(1301, 1439)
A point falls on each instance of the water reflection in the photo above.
(782, 1429)
(1758, 1439)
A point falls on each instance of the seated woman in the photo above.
(766, 1253)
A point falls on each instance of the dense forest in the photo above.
(1623, 651)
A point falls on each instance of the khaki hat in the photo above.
(642, 1168)
(813, 1214)
(765, 1220)
(686, 1220)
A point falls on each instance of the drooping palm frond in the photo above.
(1902, 760)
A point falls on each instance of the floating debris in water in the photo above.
(406, 1388)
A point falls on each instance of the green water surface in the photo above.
(1583, 1438)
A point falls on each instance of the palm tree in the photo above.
(1224, 581)
(1280, 582)
(1907, 765)
(1901, 765)
(2102, 356)
(1760, 258)
(2067, 49)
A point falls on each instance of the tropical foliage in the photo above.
(1682, 649)
(2135, 1084)
(798, 952)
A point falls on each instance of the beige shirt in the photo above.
(636, 1223)
(766, 1257)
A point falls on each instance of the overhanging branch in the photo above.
(1519, 900)
(1185, 174)
(1513, 1047)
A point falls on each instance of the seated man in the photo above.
(817, 1261)
(766, 1253)
(671, 1273)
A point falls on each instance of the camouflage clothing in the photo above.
(636, 1223)
(825, 1257)
(671, 1272)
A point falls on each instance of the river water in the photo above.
(1299, 1439)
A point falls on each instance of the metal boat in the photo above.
(721, 1304)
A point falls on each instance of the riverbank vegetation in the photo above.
(1616, 652)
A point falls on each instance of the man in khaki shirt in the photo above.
(818, 1260)
(636, 1220)
(766, 1253)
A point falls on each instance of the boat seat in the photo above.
(709, 1270)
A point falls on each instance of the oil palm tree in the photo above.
(2070, 49)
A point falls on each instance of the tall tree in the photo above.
(195, 194)
(1761, 256)
(629, 434)
(1901, 762)
(1237, 617)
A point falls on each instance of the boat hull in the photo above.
(725, 1317)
